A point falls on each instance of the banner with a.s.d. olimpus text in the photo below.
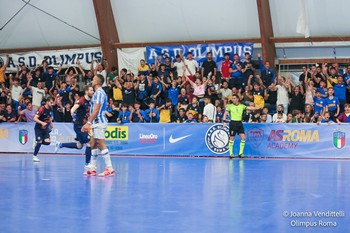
(200, 51)
(53, 57)
(262, 140)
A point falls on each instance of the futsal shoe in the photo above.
(232, 156)
(36, 159)
(241, 156)
(106, 173)
(57, 146)
(90, 172)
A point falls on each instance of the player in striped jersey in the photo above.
(98, 121)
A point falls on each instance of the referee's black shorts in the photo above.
(236, 127)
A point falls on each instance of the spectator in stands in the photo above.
(191, 119)
(304, 76)
(265, 111)
(296, 97)
(209, 110)
(102, 70)
(225, 68)
(50, 76)
(325, 119)
(138, 115)
(340, 91)
(28, 113)
(266, 72)
(332, 104)
(209, 66)
(225, 91)
(191, 65)
(280, 118)
(236, 73)
(128, 92)
(3, 69)
(143, 68)
(38, 92)
(195, 109)
(70, 74)
(124, 115)
(66, 93)
(271, 97)
(156, 91)
(256, 93)
(58, 109)
(297, 116)
(16, 91)
(165, 111)
(152, 114)
(10, 115)
(319, 103)
(86, 76)
(181, 117)
(345, 116)
(248, 70)
(279, 111)
(282, 93)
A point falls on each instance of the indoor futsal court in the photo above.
(173, 195)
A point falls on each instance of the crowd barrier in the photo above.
(263, 140)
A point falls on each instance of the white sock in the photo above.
(94, 155)
(107, 158)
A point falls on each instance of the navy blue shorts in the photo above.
(41, 134)
(82, 137)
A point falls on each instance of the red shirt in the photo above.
(225, 69)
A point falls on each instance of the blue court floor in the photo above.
(156, 194)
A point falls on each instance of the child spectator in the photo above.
(280, 118)
(326, 119)
(191, 119)
(279, 110)
(124, 115)
(138, 115)
(345, 116)
(319, 103)
(296, 116)
(152, 114)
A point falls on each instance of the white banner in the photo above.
(129, 58)
(54, 58)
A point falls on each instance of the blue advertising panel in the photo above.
(263, 140)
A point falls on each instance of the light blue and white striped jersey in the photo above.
(99, 97)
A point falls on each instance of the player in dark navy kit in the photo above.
(80, 113)
(43, 126)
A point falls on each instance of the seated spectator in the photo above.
(138, 115)
(112, 111)
(195, 109)
(190, 119)
(279, 110)
(28, 113)
(296, 116)
(165, 112)
(124, 115)
(152, 114)
(325, 119)
(263, 118)
(345, 116)
(205, 119)
(280, 118)
(265, 111)
(181, 118)
(10, 115)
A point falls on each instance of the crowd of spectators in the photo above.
(179, 90)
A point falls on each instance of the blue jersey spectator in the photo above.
(152, 114)
(124, 115)
(319, 103)
(267, 74)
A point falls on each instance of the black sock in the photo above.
(87, 154)
(46, 143)
(37, 148)
(72, 145)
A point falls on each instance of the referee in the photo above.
(236, 111)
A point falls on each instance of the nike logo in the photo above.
(175, 140)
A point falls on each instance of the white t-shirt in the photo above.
(282, 95)
(210, 112)
(274, 117)
(16, 92)
(38, 96)
(179, 68)
(225, 93)
(192, 66)
(104, 74)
